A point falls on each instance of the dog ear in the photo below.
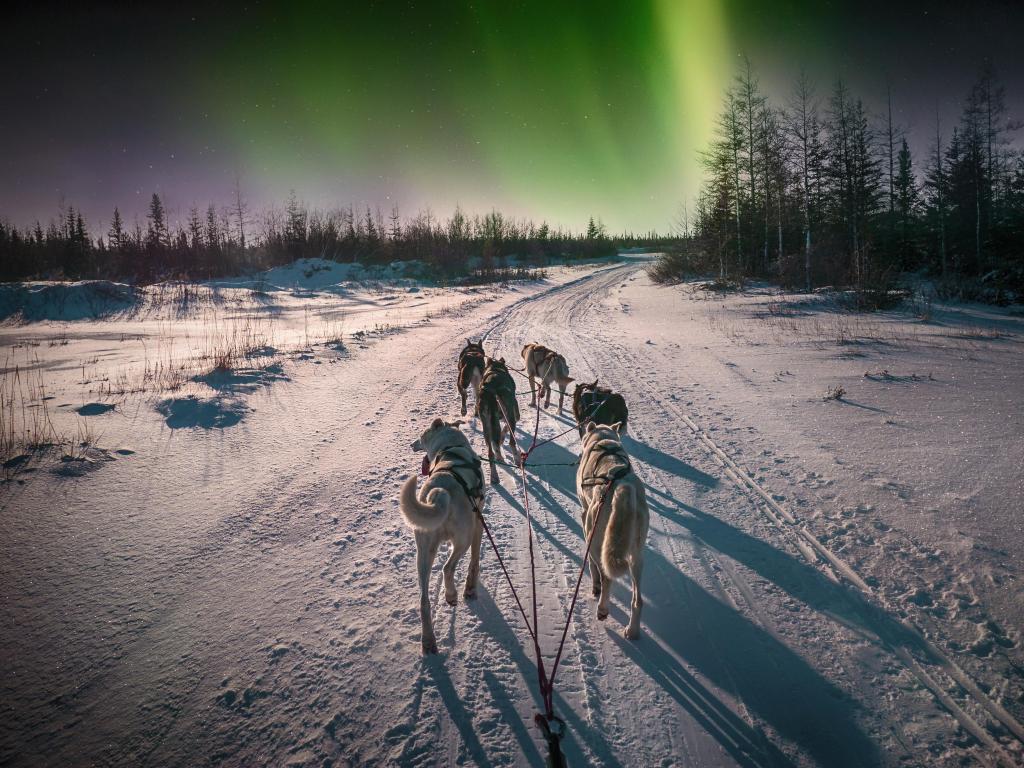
(569, 380)
(617, 426)
(591, 427)
(438, 422)
(501, 360)
(456, 423)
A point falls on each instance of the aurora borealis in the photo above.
(552, 111)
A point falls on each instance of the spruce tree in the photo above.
(157, 236)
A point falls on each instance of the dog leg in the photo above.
(602, 603)
(636, 567)
(462, 393)
(547, 395)
(561, 399)
(474, 561)
(533, 392)
(425, 553)
(458, 550)
(490, 459)
(595, 577)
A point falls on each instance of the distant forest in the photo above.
(230, 240)
(819, 192)
(814, 192)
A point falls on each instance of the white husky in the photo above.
(621, 531)
(445, 509)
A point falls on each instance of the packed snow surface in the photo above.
(221, 574)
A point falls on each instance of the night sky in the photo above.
(552, 111)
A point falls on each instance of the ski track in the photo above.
(285, 631)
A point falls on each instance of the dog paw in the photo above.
(451, 599)
(631, 633)
(429, 647)
(602, 615)
(470, 593)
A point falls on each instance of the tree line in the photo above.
(818, 191)
(228, 240)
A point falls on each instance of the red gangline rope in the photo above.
(541, 672)
(546, 682)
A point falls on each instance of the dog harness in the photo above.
(458, 461)
(590, 398)
(606, 462)
(498, 381)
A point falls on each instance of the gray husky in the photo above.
(613, 500)
(549, 367)
(497, 400)
(445, 509)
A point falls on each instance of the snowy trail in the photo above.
(276, 622)
(697, 682)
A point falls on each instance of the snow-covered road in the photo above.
(248, 596)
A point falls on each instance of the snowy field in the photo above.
(221, 575)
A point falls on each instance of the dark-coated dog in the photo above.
(600, 405)
(471, 372)
(497, 401)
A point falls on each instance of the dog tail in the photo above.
(618, 535)
(422, 516)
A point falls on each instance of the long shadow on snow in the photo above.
(747, 746)
(496, 624)
(729, 650)
(802, 581)
(637, 449)
(456, 709)
(769, 677)
(508, 713)
(513, 502)
(667, 463)
(560, 476)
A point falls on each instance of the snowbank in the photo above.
(318, 274)
(45, 300)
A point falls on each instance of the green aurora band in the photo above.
(593, 109)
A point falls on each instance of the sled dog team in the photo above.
(449, 504)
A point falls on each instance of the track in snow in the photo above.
(726, 708)
(277, 623)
